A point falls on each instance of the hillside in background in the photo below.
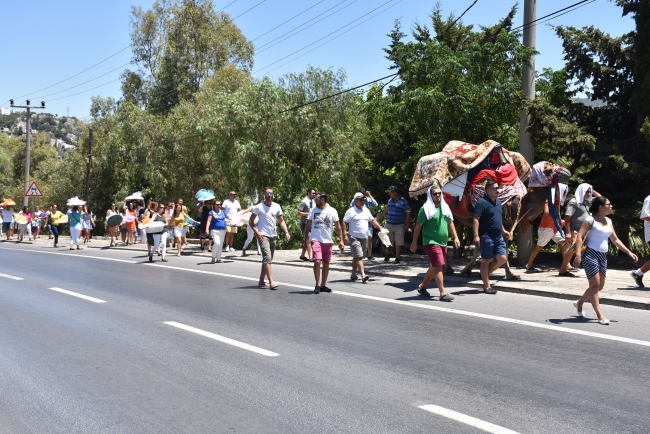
(59, 127)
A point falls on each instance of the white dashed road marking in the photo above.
(10, 277)
(468, 420)
(76, 294)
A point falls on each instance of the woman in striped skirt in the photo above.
(594, 260)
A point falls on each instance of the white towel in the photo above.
(580, 192)
(430, 207)
(564, 192)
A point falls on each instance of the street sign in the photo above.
(33, 190)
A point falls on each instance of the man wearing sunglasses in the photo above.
(269, 213)
(435, 221)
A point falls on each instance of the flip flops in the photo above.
(489, 290)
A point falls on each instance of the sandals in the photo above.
(423, 292)
(274, 287)
(164, 260)
(567, 274)
(317, 289)
(489, 290)
(446, 297)
(603, 321)
(365, 278)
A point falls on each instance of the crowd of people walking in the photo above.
(583, 233)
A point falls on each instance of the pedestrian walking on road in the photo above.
(250, 234)
(216, 224)
(178, 220)
(577, 210)
(320, 222)
(370, 203)
(305, 207)
(7, 222)
(55, 217)
(398, 219)
(435, 220)
(203, 211)
(87, 223)
(25, 227)
(600, 230)
(156, 214)
(48, 223)
(112, 229)
(645, 216)
(131, 218)
(36, 223)
(74, 217)
(489, 234)
(359, 219)
(231, 207)
(270, 213)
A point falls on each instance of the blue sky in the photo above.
(50, 41)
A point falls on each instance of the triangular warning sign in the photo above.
(33, 190)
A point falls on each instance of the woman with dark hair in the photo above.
(600, 230)
(86, 223)
(112, 229)
(178, 220)
(131, 217)
(27, 226)
(75, 217)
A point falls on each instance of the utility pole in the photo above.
(28, 140)
(89, 160)
(525, 241)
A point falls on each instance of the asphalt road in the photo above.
(157, 354)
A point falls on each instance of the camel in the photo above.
(459, 159)
(517, 210)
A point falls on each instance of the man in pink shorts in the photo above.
(320, 223)
(434, 222)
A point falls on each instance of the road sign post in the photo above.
(33, 190)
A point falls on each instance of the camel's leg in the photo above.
(509, 275)
(447, 269)
(467, 271)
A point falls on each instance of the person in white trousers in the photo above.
(216, 225)
(160, 239)
(75, 217)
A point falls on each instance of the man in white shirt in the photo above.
(645, 216)
(358, 217)
(305, 207)
(269, 214)
(231, 206)
(7, 221)
(320, 222)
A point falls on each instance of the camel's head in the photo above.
(545, 174)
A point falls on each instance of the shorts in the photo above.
(358, 246)
(231, 229)
(268, 249)
(321, 251)
(6, 226)
(396, 234)
(491, 247)
(545, 235)
(436, 254)
(594, 262)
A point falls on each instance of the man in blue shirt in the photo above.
(489, 234)
(398, 219)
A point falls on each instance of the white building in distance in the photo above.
(4, 111)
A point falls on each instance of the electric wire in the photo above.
(337, 36)
(295, 16)
(222, 9)
(329, 34)
(535, 23)
(84, 91)
(243, 13)
(461, 16)
(308, 21)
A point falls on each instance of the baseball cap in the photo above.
(391, 188)
(358, 195)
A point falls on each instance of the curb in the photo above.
(628, 301)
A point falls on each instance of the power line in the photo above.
(81, 84)
(535, 23)
(553, 13)
(461, 16)
(297, 27)
(226, 6)
(335, 37)
(295, 16)
(84, 91)
(73, 76)
(243, 13)
(329, 34)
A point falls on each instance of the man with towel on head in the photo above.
(434, 221)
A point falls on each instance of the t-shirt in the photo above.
(322, 222)
(397, 210)
(306, 205)
(645, 212)
(578, 214)
(490, 217)
(358, 220)
(230, 207)
(268, 218)
(436, 230)
(7, 215)
(75, 219)
(218, 221)
(55, 216)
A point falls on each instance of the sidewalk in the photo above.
(620, 290)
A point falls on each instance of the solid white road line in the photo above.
(388, 300)
(10, 277)
(223, 339)
(76, 294)
(468, 420)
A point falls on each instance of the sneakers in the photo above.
(227, 249)
(325, 289)
(232, 249)
(317, 289)
(423, 292)
(637, 279)
(398, 260)
(354, 277)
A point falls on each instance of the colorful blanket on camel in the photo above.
(457, 158)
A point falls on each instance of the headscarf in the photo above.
(430, 206)
(564, 192)
(581, 191)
